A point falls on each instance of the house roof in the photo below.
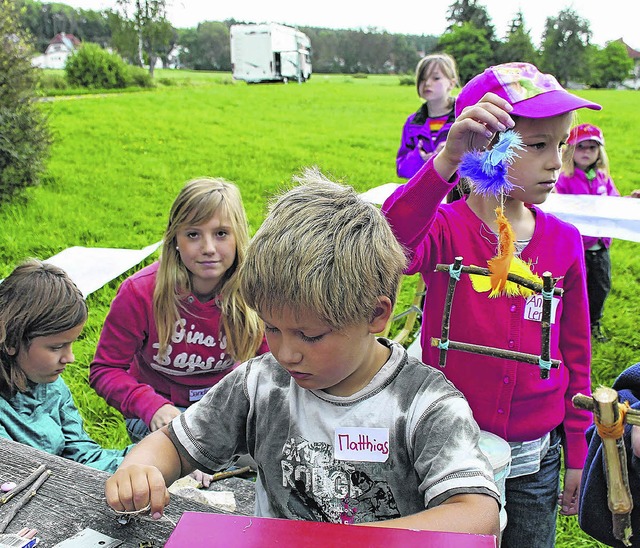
(634, 54)
(69, 40)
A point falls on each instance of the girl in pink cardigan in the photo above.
(508, 398)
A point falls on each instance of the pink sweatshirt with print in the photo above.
(127, 370)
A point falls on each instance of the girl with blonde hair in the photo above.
(180, 325)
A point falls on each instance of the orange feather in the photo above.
(500, 264)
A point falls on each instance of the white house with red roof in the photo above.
(55, 57)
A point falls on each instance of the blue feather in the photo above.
(488, 170)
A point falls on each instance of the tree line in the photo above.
(139, 31)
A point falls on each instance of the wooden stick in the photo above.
(23, 500)
(495, 352)
(545, 352)
(586, 402)
(446, 315)
(534, 286)
(615, 461)
(22, 485)
(231, 473)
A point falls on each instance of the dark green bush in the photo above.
(93, 67)
(407, 80)
(24, 130)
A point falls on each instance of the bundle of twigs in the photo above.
(32, 483)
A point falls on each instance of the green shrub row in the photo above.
(96, 68)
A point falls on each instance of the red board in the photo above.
(210, 530)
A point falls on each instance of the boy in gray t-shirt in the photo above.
(343, 426)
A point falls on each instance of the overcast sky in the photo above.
(609, 19)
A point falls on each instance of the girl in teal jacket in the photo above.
(42, 313)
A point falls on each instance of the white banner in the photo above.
(601, 216)
(92, 267)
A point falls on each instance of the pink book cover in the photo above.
(212, 530)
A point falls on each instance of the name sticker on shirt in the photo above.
(196, 394)
(361, 444)
(533, 308)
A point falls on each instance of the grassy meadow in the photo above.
(119, 160)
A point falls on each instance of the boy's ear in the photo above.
(381, 315)
(11, 351)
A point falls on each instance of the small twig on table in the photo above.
(24, 499)
(231, 473)
(22, 485)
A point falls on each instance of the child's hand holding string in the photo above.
(473, 129)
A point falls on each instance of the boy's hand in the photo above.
(134, 487)
(568, 499)
(473, 130)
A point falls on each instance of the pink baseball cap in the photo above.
(532, 93)
(585, 132)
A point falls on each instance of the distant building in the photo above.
(173, 60)
(634, 81)
(55, 57)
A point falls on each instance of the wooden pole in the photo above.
(446, 315)
(604, 405)
(534, 286)
(547, 298)
(585, 402)
(495, 352)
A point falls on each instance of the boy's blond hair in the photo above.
(324, 250)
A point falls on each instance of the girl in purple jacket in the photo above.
(425, 131)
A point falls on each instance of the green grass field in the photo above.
(119, 160)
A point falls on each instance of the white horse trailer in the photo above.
(269, 53)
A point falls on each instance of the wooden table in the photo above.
(72, 499)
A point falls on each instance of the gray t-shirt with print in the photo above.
(405, 442)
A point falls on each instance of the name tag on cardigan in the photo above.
(361, 444)
(533, 308)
